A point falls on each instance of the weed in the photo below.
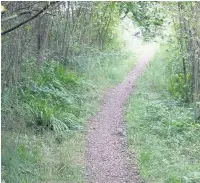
(161, 130)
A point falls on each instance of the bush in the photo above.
(177, 86)
(52, 97)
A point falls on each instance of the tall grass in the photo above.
(43, 117)
(161, 131)
(40, 158)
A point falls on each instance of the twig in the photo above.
(33, 17)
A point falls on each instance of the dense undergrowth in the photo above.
(43, 116)
(161, 128)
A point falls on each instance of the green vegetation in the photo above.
(163, 113)
(56, 64)
(59, 57)
(43, 135)
(161, 130)
(40, 158)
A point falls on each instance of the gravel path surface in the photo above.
(107, 159)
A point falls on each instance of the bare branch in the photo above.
(33, 17)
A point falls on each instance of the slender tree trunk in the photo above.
(38, 35)
(182, 51)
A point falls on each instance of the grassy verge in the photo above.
(43, 117)
(161, 131)
(39, 158)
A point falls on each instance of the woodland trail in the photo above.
(107, 158)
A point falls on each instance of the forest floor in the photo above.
(107, 158)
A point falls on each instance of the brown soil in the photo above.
(107, 158)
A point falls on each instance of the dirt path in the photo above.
(107, 159)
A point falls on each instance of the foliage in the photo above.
(50, 99)
(67, 29)
(149, 16)
(54, 67)
(47, 98)
(184, 39)
(176, 83)
(179, 27)
(55, 97)
(161, 131)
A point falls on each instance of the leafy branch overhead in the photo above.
(149, 16)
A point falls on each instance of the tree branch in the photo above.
(15, 16)
(33, 17)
